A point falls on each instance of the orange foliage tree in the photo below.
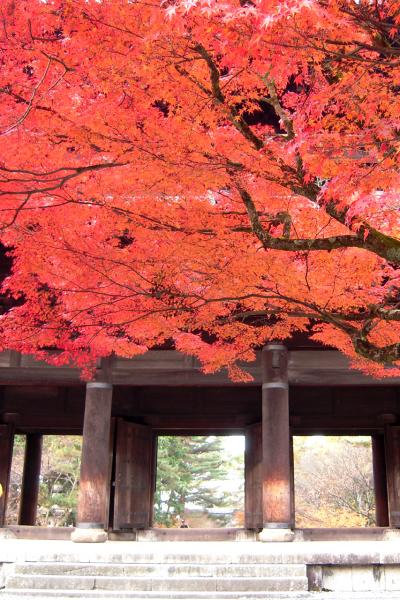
(213, 172)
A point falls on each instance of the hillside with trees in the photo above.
(334, 482)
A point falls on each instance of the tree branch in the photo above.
(216, 93)
(294, 245)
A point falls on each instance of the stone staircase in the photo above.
(183, 577)
(44, 570)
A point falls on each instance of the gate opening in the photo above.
(334, 483)
(199, 482)
(14, 492)
(58, 483)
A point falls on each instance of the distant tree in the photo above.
(334, 483)
(59, 480)
(15, 479)
(188, 468)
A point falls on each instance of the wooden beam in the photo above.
(334, 431)
(6, 452)
(171, 368)
(202, 431)
(392, 454)
(346, 410)
(195, 421)
(94, 478)
(380, 487)
(277, 476)
(315, 421)
(30, 479)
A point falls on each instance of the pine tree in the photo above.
(188, 468)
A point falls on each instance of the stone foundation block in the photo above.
(91, 536)
(276, 535)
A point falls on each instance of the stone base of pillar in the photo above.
(82, 535)
(276, 535)
(391, 535)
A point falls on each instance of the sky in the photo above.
(234, 444)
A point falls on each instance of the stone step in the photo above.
(158, 584)
(123, 595)
(129, 557)
(94, 595)
(161, 570)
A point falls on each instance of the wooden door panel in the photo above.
(133, 476)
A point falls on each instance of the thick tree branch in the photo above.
(216, 94)
(376, 242)
(373, 240)
(294, 245)
(34, 182)
(273, 101)
(383, 355)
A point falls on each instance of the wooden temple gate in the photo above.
(121, 413)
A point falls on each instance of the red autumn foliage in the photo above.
(216, 173)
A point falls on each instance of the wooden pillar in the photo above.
(95, 472)
(6, 451)
(276, 452)
(392, 454)
(380, 488)
(30, 479)
(253, 478)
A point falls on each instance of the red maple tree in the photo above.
(214, 172)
